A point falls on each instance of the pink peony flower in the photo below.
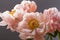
(15, 16)
(32, 26)
(58, 21)
(24, 7)
(29, 6)
(9, 19)
(50, 18)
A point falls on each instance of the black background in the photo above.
(9, 4)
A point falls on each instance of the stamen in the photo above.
(12, 12)
(33, 24)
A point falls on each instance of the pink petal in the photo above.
(3, 23)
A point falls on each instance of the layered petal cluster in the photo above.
(50, 18)
(13, 17)
(32, 26)
(27, 6)
(24, 19)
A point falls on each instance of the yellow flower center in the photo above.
(33, 24)
(12, 12)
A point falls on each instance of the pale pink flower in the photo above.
(50, 18)
(58, 21)
(29, 6)
(24, 7)
(32, 26)
(2, 23)
(8, 19)
(48, 13)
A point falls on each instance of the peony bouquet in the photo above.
(32, 25)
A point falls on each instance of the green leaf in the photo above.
(59, 35)
(54, 34)
(51, 38)
(47, 37)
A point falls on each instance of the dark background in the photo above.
(9, 4)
